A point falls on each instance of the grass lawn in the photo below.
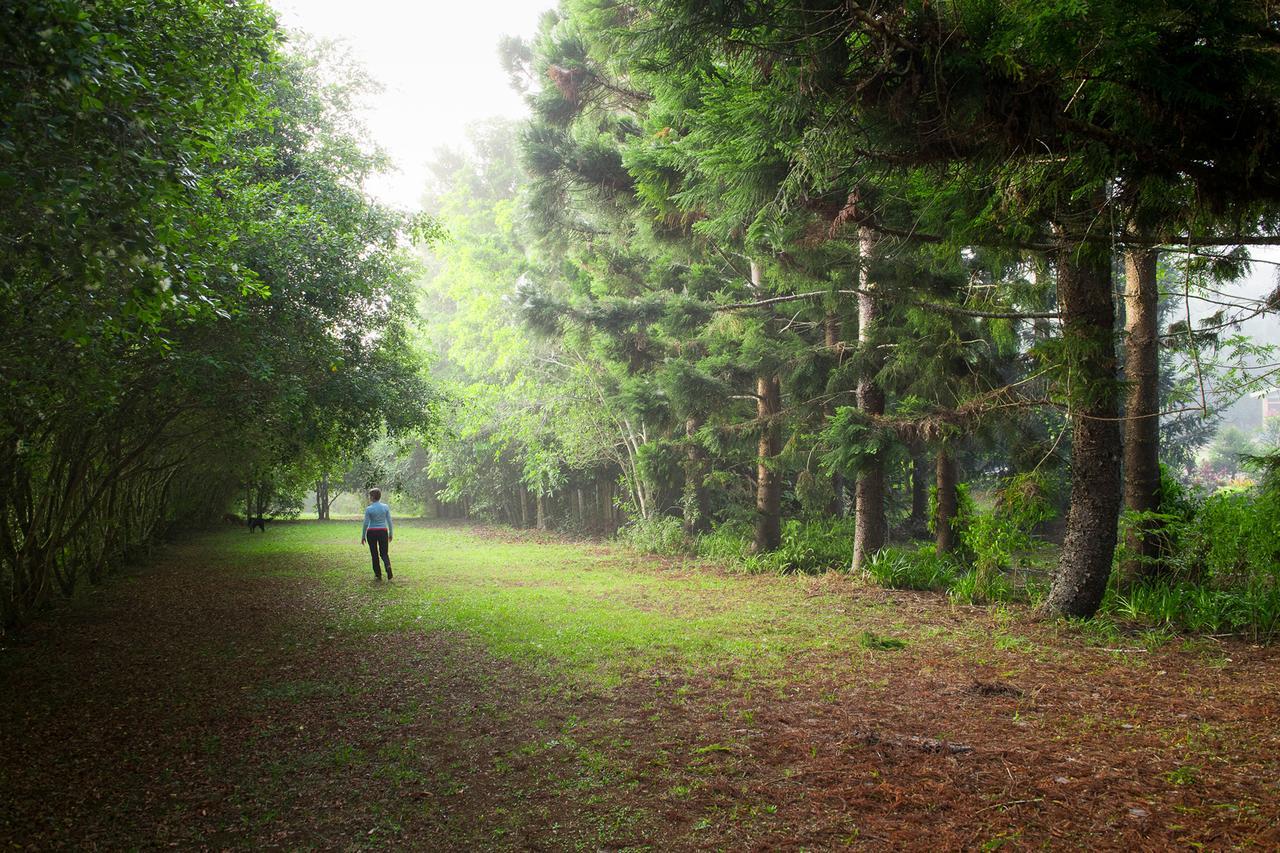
(514, 691)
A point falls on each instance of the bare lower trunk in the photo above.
(322, 498)
(919, 491)
(768, 533)
(1088, 318)
(602, 512)
(610, 512)
(831, 331)
(697, 516)
(768, 528)
(1142, 411)
(870, 526)
(943, 522)
(542, 511)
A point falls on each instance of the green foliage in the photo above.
(853, 440)
(729, 542)
(966, 511)
(184, 207)
(661, 535)
(875, 642)
(920, 568)
(997, 537)
(808, 547)
(1251, 608)
(1220, 571)
(977, 587)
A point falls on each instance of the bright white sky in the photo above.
(438, 62)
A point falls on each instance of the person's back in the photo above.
(377, 532)
(377, 516)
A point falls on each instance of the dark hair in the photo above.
(376, 494)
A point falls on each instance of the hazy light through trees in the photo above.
(438, 63)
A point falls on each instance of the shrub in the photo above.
(923, 568)
(807, 547)
(662, 535)
(978, 587)
(1222, 567)
(997, 537)
(811, 547)
(729, 542)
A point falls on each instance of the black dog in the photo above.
(258, 522)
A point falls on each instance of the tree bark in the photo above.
(943, 528)
(831, 332)
(768, 528)
(768, 533)
(870, 526)
(1088, 326)
(1142, 410)
(919, 491)
(697, 513)
(542, 511)
(320, 499)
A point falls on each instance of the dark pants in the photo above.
(378, 545)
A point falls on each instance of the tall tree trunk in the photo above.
(919, 491)
(322, 498)
(1142, 409)
(768, 530)
(870, 525)
(542, 511)
(524, 507)
(602, 514)
(610, 508)
(582, 508)
(1088, 326)
(768, 534)
(831, 332)
(694, 503)
(946, 477)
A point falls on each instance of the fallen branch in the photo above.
(1010, 803)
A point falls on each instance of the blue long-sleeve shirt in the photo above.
(377, 517)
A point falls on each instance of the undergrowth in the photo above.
(1218, 572)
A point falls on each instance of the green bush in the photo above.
(978, 587)
(1252, 610)
(923, 568)
(807, 547)
(1221, 568)
(815, 546)
(663, 535)
(729, 542)
(996, 538)
(1235, 538)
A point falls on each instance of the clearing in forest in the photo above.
(514, 692)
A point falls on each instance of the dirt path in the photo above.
(204, 704)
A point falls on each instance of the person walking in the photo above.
(377, 532)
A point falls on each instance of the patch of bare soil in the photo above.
(912, 752)
(206, 705)
(210, 707)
